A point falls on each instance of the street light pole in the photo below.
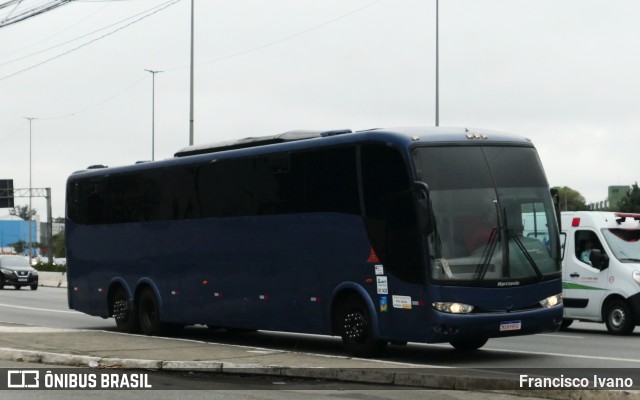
(191, 83)
(153, 112)
(30, 214)
(437, 71)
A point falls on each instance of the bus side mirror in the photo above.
(599, 260)
(555, 197)
(425, 223)
(424, 216)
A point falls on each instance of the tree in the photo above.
(571, 200)
(631, 202)
(58, 245)
(23, 212)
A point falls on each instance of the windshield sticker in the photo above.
(383, 304)
(382, 285)
(379, 269)
(403, 302)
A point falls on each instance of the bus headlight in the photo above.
(636, 276)
(551, 301)
(453, 308)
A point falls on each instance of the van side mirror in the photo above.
(599, 260)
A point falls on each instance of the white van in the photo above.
(601, 269)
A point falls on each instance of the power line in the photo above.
(161, 6)
(285, 38)
(29, 13)
(89, 42)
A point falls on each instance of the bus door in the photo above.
(390, 219)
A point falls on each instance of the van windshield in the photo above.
(624, 243)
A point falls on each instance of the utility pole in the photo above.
(153, 112)
(191, 84)
(30, 196)
(437, 71)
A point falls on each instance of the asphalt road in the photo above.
(584, 345)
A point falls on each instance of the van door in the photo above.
(584, 285)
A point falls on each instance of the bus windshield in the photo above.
(493, 218)
(624, 243)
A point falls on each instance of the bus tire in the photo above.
(356, 329)
(126, 316)
(618, 318)
(149, 317)
(469, 345)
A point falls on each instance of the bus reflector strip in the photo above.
(315, 299)
(264, 297)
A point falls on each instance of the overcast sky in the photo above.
(565, 73)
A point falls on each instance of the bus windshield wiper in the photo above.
(487, 254)
(526, 253)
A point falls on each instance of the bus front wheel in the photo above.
(125, 316)
(356, 328)
(469, 345)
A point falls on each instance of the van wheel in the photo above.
(355, 326)
(34, 287)
(618, 318)
(123, 312)
(17, 287)
(469, 345)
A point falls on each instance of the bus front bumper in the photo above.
(447, 327)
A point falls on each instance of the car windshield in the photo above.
(493, 214)
(624, 243)
(13, 261)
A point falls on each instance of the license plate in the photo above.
(510, 326)
(22, 279)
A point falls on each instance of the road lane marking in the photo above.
(38, 309)
(34, 329)
(561, 336)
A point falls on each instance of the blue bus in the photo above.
(377, 236)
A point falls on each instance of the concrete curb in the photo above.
(52, 279)
(399, 378)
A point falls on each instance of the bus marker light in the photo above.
(217, 294)
(368, 281)
(264, 297)
(205, 282)
(76, 289)
(315, 299)
(175, 293)
(99, 290)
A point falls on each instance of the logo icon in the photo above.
(19, 379)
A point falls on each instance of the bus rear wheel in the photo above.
(356, 328)
(149, 317)
(121, 310)
(618, 318)
(469, 345)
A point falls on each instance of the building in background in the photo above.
(616, 194)
(14, 229)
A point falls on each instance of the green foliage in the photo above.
(631, 202)
(50, 267)
(571, 200)
(58, 245)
